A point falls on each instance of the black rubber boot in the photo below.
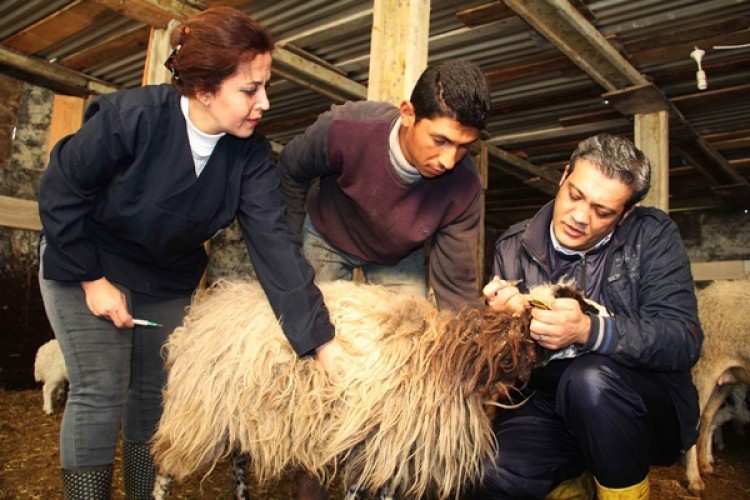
(138, 472)
(92, 483)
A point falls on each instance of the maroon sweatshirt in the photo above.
(361, 207)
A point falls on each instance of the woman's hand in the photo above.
(104, 300)
(326, 355)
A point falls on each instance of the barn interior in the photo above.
(673, 76)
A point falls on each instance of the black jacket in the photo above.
(121, 199)
(648, 286)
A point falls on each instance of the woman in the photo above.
(126, 204)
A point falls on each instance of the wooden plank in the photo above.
(528, 69)
(155, 13)
(67, 116)
(63, 23)
(318, 77)
(637, 99)
(120, 46)
(662, 53)
(688, 34)
(722, 270)
(19, 214)
(484, 14)
(51, 76)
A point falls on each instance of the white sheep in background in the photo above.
(408, 411)
(725, 359)
(734, 411)
(49, 368)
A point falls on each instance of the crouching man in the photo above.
(616, 395)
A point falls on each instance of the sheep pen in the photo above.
(407, 412)
(724, 360)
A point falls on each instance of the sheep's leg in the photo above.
(161, 487)
(48, 392)
(695, 483)
(239, 463)
(704, 439)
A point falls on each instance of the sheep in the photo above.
(725, 359)
(406, 414)
(49, 368)
(734, 410)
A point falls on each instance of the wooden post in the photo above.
(398, 48)
(67, 116)
(651, 135)
(482, 160)
(158, 50)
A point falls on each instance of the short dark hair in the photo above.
(453, 89)
(617, 158)
(212, 45)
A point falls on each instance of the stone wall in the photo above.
(24, 110)
(718, 234)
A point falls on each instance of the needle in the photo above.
(145, 322)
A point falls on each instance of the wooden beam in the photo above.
(484, 14)
(524, 169)
(569, 31)
(19, 214)
(298, 68)
(527, 69)
(51, 76)
(577, 38)
(636, 99)
(123, 45)
(154, 13)
(63, 23)
(722, 270)
(688, 34)
(315, 76)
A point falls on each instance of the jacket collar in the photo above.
(536, 237)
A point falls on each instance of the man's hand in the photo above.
(504, 296)
(326, 355)
(564, 324)
(104, 300)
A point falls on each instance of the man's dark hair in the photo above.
(453, 89)
(617, 158)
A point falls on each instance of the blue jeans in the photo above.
(115, 375)
(330, 264)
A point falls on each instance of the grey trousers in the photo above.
(116, 375)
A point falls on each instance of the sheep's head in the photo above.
(489, 351)
(542, 296)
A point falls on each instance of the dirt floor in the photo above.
(29, 464)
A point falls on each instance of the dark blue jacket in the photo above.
(121, 199)
(648, 286)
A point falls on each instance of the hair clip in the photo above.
(170, 62)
